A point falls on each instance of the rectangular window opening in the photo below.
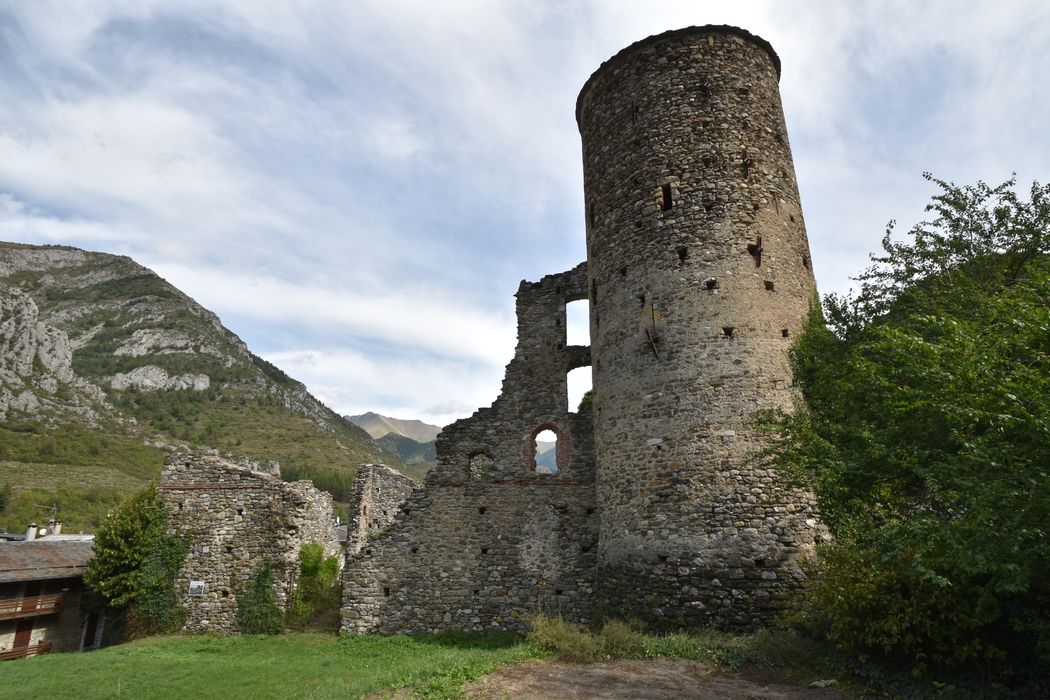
(579, 382)
(667, 201)
(578, 322)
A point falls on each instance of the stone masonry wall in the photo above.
(236, 516)
(378, 494)
(700, 278)
(489, 539)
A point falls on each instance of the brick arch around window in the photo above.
(563, 448)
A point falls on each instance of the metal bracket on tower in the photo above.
(651, 335)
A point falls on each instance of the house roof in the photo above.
(47, 558)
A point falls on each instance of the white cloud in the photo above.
(424, 322)
(385, 172)
(9, 205)
(436, 390)
(394, 137)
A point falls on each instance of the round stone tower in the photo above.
(699, 279)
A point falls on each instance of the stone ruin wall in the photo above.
(378, 494)
(489, 539)
(237, 515)
(700, 279)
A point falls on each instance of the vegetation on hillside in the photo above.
(927, 438)
(80, 472)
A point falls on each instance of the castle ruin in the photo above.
(698, 277)
(236, 516)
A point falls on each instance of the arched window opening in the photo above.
(546, 452)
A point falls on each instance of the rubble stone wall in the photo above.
(378, 494)
(699, 280)
(489, 539)
(236, 516)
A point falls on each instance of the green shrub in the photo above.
(621, 640)
(136, 563)
(314, 566)
(317, 596)
(5, 496)
(568, 641)
(627, 640)
(257, 611)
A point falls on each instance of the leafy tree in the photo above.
(136, 563)
(927, 438)
(586, 402)
(257, 611)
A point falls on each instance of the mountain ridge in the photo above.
(378, 425)
(104, 365)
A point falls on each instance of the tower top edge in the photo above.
(703, 30)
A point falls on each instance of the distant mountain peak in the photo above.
(378, 425)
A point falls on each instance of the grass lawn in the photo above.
(256, 667)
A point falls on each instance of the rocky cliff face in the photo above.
(36, 373)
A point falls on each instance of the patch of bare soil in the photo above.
(658, 679)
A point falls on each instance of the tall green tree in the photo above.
(136, 563)
(927, 440)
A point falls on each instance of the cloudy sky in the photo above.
(357, 187)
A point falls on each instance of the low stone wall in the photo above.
(237, 515)
(378, 494)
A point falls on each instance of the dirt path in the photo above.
(659, 679)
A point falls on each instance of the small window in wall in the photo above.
(546, 452)
(666, 201)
